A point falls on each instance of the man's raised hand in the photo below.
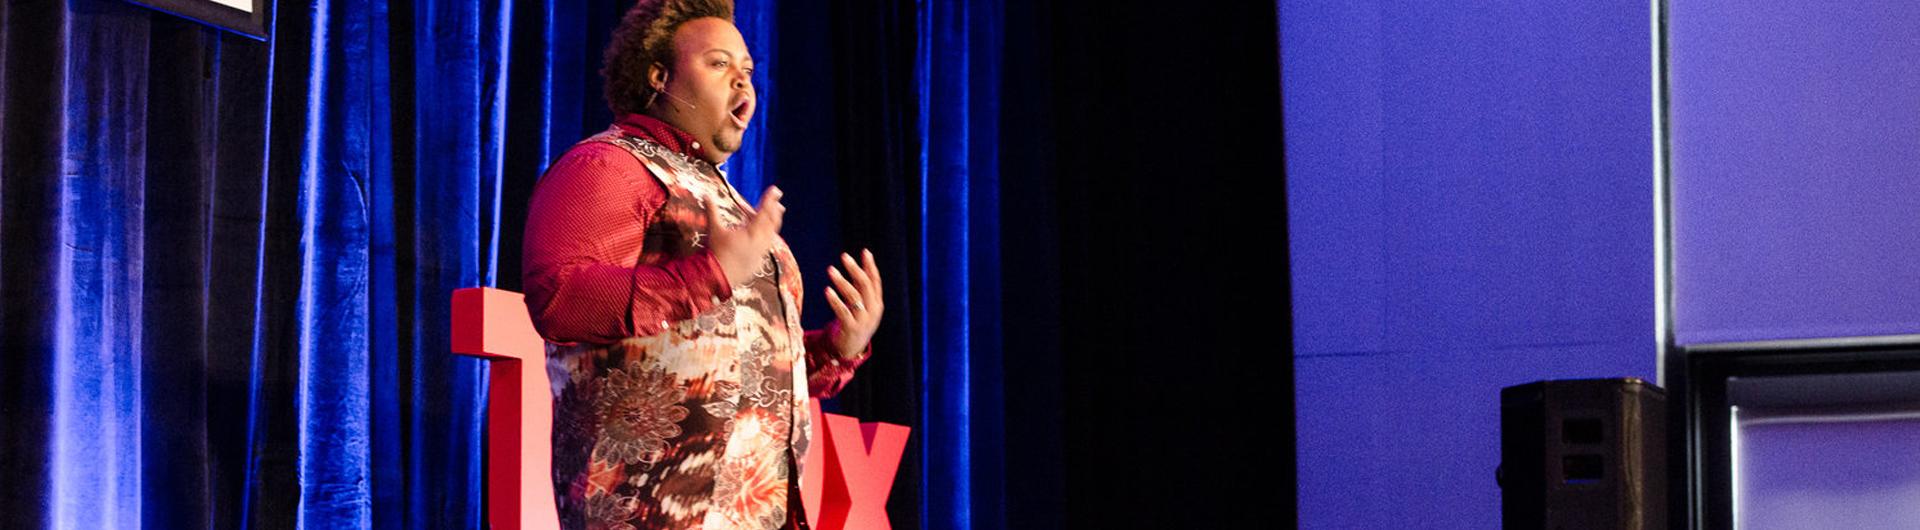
(742, 250)
(856, 301)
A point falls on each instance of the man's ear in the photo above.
(656, 76)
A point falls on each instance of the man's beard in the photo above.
(727, 143)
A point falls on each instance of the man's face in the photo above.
(713, 81)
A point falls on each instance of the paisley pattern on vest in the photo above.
(702, 425)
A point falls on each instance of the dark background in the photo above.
(1155, 129)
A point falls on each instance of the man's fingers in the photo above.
(771, 212)
(770, 201)
(848, 292)
(857, 274)
(775, 217)
(873, 273)
(839, 308)
(770, 196)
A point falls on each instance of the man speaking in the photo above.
(671, 307)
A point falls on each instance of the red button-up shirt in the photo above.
(586, 227)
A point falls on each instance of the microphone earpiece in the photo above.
(677, 99)
(662, 89)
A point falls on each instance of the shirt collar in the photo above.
(662, 133)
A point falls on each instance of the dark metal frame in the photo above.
(1707, 418)
(207, 12)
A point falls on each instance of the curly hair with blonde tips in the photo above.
(645, 37)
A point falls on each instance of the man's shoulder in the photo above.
(595, 152)
(597, 164)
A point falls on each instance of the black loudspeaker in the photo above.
(1583, 454)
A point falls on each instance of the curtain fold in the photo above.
(227, 261)
(957, 73)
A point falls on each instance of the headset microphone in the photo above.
(663, 90)
(689, 104)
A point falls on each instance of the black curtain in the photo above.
(1145, 154)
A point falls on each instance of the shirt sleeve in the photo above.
(586, 222)
(827, 371)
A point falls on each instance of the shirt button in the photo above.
(663, 324)
(696, 145)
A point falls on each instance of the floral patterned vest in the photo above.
(702, 425)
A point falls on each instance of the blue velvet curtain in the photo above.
(958, 76)
(227, 261)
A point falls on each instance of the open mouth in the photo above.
(742, 111)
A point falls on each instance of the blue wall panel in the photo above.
(1794, 127)
(1470, 207)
